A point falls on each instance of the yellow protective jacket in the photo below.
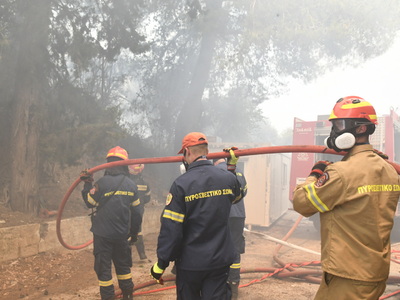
(357, 199)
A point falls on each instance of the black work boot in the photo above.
(235, 289)
(127, 295)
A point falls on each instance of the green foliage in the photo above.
(101, 54)
(259, 43)
(306, 38)
(78, 126)
(61, 69)
(83, 30)
(85, 43)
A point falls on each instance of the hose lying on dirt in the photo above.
(308, 277)
(272, 239)
(287, 270)
(279, 273)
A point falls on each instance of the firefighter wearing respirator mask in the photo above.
(347, 116)
(355, 199)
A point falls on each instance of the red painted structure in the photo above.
(386, 139)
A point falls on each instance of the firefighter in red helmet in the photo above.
(346, 117)
(356, 199)
(144, 195)
(115, 219)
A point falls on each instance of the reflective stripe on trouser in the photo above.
(234, 270)
(338, 288)
(117, 251)
(236, 226)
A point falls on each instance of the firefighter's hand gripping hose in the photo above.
(319, 168)
(232, 160)
(156, 273)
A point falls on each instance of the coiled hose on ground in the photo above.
(287, 270)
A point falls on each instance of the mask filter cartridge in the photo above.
(341, 142)
(345, 141)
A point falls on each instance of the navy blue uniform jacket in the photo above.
(143, 190)
(238, 210)
(116, 199)
(194, 226)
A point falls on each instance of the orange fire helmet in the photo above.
(117, 152)
(136, 169)
(353, 107)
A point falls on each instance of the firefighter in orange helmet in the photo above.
(116, 218)
(356, 199)
(144, 195)
(194, 230)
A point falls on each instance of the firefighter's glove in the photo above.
(156, 272)
(381, 154)
(319, 168)
(86, 176)
(133, 239)
(232, 161)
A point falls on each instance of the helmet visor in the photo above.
(341, 125)
(338, 125)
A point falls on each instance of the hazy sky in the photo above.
(377, 81)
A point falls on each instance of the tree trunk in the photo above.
(190, 114)
(27, 107)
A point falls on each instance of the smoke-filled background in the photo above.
(79, 77)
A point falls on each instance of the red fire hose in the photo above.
(172, 159)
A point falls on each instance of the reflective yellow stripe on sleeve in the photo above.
(91, 200)
(142, 187)
(174, 216)
(136, 203)
(314, 199)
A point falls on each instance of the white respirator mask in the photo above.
(340, 142)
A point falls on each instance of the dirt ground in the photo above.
(67, 276)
